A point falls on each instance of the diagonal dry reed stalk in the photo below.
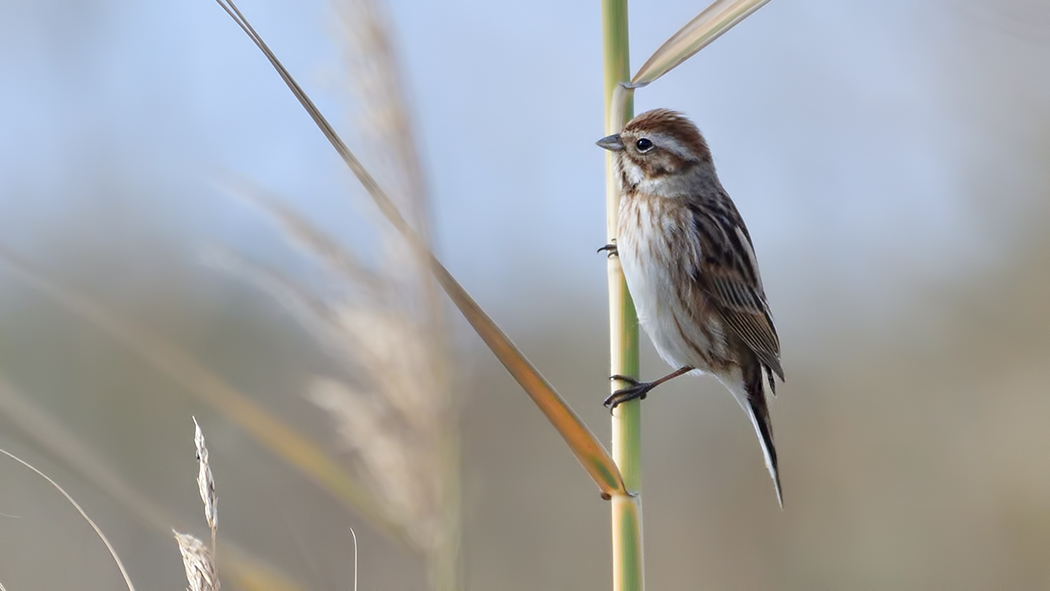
(591, 454)
(397, 416)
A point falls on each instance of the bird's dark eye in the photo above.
(644, 145)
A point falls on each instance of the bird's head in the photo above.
(656, 144)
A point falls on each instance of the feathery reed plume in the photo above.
(383, 114)
(412, 458)
(397, 416)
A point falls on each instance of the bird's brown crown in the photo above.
(670, 133)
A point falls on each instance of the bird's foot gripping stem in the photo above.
(636, 390)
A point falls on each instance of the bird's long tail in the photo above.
(750, 392)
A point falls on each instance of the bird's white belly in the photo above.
(663, 314)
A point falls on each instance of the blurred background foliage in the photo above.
(891, 161)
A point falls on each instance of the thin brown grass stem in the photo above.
(98, 532)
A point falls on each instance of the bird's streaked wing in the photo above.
(727, 274)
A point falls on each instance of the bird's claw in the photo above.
(636, 390)
(611, 249)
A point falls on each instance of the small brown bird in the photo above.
(691, 268)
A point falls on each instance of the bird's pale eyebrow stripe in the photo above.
(671, 144)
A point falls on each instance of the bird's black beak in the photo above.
(613, 143)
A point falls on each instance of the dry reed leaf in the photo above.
(588, 450)
(709, 25)
(583, 443)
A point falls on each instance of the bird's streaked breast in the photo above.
(656, 254)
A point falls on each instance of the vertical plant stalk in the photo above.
(628, 573)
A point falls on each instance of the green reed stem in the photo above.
(628, 572)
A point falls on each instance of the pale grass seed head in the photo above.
(201, 573)
(205, 481)
(199, 559)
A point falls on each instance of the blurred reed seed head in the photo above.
(401, 465)
(383, 121)
(396, 413)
